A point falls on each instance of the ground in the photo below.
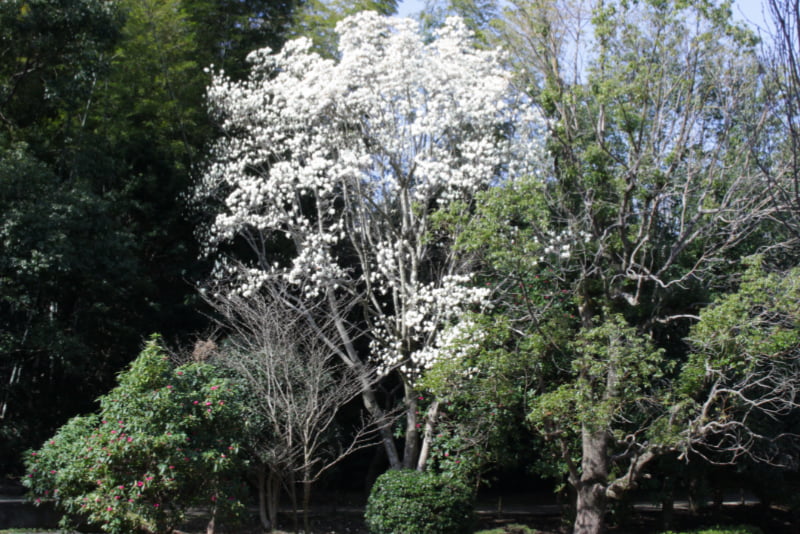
(523, 513)
(775, 521)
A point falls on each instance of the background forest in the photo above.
(576, 258)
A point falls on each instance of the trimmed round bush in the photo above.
(414, 502)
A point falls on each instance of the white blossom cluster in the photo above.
(562, 244)
(455, 342)
(427, 328)
(354, 154)
(547, 246)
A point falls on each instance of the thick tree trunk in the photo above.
(591, 488)
(371, 404)
(351, 358)
(667, 503)
(293, 495)
(591, 509)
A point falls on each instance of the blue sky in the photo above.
(748, 10)
(410, 7)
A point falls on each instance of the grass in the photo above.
(742, 529)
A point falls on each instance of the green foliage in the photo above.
(481, 397)
(227, 30)
(414, 502)
(53, 52)
(738, 330)
(615, 377)
(317, 19)
(102, 123)
(64, 270)
(166, 438)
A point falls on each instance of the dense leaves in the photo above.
(165, 438)
(411, 501)
(102, 124)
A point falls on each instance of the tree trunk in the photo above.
(385, 430)
(591, 488)
(667, 503)
(427, 439)
(351, 359)
(211, 526)
(273, 497)
(411, 449)
(307, 503)
(268, 495)
(293, 495)
(591, 509)
(262, 500)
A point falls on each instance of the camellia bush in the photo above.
(166, 438)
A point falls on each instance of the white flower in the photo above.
(346, 160)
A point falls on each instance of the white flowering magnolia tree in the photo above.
(346, 161)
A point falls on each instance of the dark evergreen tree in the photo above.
(103, 124)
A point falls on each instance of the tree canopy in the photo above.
(345, 161)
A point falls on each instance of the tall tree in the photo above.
(654, 192)
(64, 258)
(344, 161)
(779, 153)
(103, 123)
(228, 30)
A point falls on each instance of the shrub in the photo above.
(165, 439)
(413, 502)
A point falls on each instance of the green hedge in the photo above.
(413, 502)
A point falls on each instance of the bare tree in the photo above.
(296, 386)
(778, 154)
